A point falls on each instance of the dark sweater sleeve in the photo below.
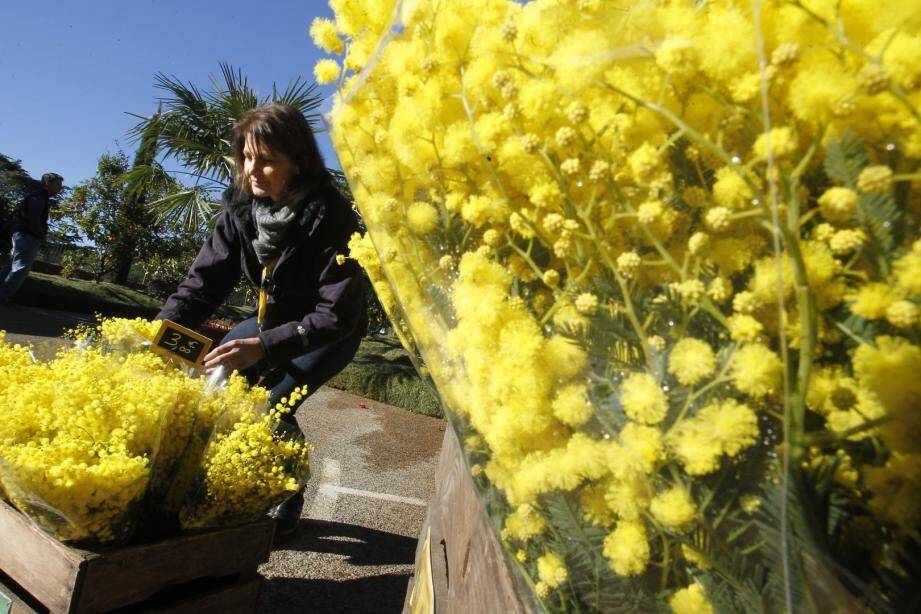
(35, 215)
(212, 277)
(338, 313)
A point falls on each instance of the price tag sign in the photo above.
(180, 343)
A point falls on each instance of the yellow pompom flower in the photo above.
(628, 263)
(908, 272)
(326, 71)
(674, 508)
(756, 370)
(524, 524)
(691, 360)
(902, 314)
(838, 204)
(325, 35)
(730, 190)
(871, 300)
(627, 549)
(571, 407)
(643, 399)
(726, 427)
(875, 179)
(893, 486)
(744, 328)
(586, 303)
(890, 370)
(690, 600)
(422, 217)
(782, 144)
(846, 241)
(551, 570)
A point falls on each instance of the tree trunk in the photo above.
(135, 210)
(123, 262)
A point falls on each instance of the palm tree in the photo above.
(193, 128)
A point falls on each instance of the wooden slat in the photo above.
(22, 601)
(47, 569)
(471, 571)
(239, 598)
(130, 575)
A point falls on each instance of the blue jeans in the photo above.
(14, 273)
(312, 369)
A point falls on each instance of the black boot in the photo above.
(287, 515)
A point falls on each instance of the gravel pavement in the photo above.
(372, 473)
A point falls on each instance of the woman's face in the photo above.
(269, 172)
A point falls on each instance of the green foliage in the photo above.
(591, 579)
(163, 268)
(880, 218)
(75, 262)
(96, 208)
(125, 232)
(878, 215)
(382, 370)
(845, 157)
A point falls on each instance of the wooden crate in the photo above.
(209, 572)
(470, 570)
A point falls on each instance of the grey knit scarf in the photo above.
(272, 223)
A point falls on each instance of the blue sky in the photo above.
(70, 69)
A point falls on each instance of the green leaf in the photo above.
(845, 157)
(881, 219)
(580, 545)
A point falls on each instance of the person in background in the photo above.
(285, 226)
(29, 230)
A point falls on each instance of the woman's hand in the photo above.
(236, 355)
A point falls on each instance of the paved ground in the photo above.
(36, 322)
(373, 470)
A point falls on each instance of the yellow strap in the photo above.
(263, 294)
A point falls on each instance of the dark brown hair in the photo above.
(282, 129)
(49, 178)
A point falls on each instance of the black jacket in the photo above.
(32, 216)
(315, 300)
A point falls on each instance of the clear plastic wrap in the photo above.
(79, 437)
(106, 441)
(252, 463)
(662, 262)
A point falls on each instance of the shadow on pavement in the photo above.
(375, 594)
(360, 545)
(36, 321)
(383, 590)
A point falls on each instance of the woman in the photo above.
(282, 225)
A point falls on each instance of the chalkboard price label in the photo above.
(180, 343)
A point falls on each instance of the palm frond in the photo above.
(145, 179)
(191, 208)
(302, 96)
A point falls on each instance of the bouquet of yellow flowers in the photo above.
(108, 435)
(662, 261)
(251, 464)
